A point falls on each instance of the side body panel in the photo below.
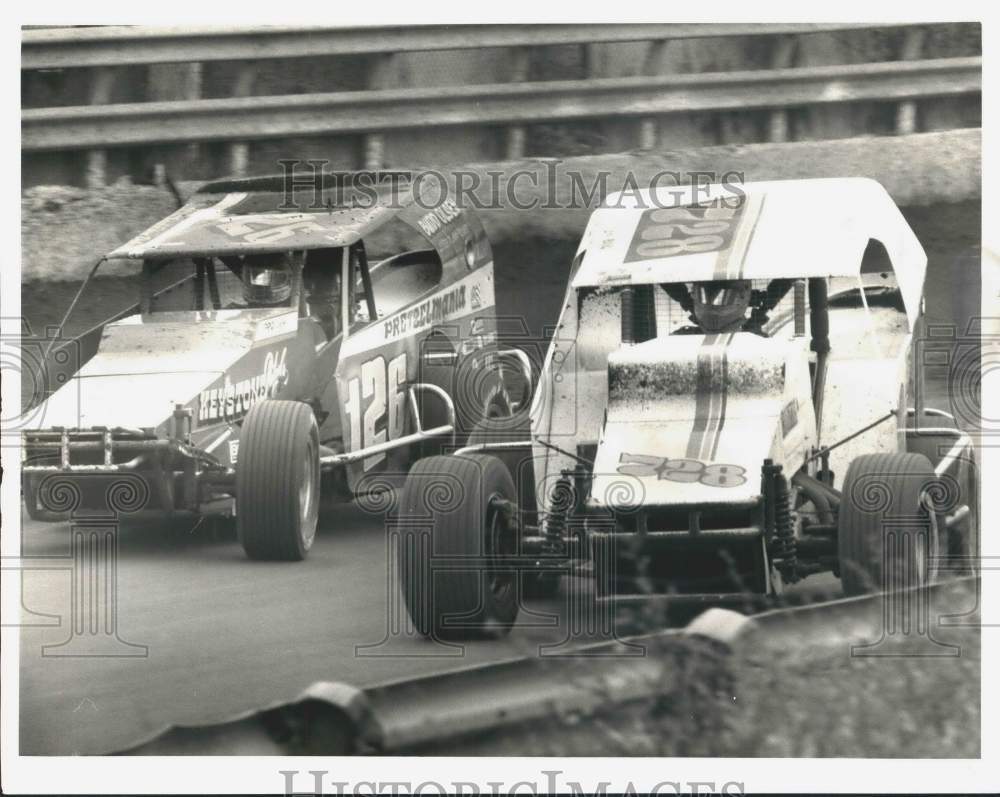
(867, 377)
(380, 360)
(279, 365)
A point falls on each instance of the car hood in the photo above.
(651, 463)
(690, 420)
(144, 368)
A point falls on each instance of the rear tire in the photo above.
(963, 538)
(277, 481)
(456, 495)
(886, 537)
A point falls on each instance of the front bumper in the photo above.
(107, 449)
(177, 474)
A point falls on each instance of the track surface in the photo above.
(225, 635)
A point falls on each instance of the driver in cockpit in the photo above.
(267, 279)
(720, 305)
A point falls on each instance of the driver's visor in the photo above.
(267, 277)
(715, 295)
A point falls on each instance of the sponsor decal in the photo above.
(789, 416)
(447, 304)
(234, 450)
(234, 400)
(437, 218)
(427, 313)
(480, 337)
(620, 275)
(685, 471)
(284, 324)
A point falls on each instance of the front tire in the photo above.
(519, 462)
(887, 540)
(277, 481)
(451, 514)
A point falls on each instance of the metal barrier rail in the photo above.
(245, 118)
(383, 106)
(120, 45)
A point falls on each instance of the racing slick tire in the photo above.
(534, 584)
(277, 481)
(457, 494)
(886, 539)
(963, 537)
(519, 462)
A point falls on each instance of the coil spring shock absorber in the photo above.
(785, 547)
(563, 502)
(638, 314)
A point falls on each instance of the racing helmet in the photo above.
(720, 305)
(267, 279)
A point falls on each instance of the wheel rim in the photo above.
(931, 543)
(926, 544)
(308, 503)
(498, 543)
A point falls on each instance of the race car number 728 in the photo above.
(669, 232)
(380, 389)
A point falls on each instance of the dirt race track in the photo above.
(225, 635)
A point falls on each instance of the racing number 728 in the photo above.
(381, 388)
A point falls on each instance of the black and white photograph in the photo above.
(426, 401)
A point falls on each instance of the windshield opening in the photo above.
(715, 307)
(227, 283)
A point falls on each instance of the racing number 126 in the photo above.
(381, 388)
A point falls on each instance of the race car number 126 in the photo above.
(380, 389)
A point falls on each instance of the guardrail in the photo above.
(365, 111)
(383, 107)
(118, 45)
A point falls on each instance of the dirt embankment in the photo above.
(64, 230)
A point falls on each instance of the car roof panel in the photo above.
(238, 222)
(767, 230)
